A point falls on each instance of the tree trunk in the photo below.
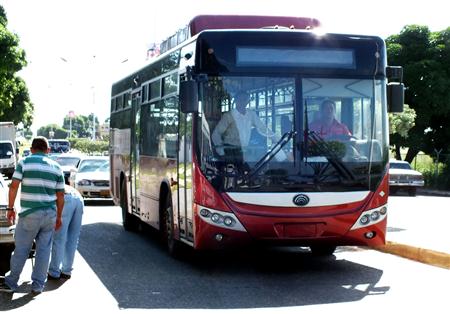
(412, 152)
(398, 156)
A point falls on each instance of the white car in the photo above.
(68, 162)
(402, 176)
(92, 177)
(6, 231)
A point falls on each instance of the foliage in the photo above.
(22, 108)
(28, 134)
(59, 132)
(89, 146)
(401, 123)
(15, 104)
(425, 58)
(399, 126)
(81, 125)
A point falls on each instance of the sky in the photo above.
(76, 49)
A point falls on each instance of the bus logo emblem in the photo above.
(301, 200)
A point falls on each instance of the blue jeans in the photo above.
(65, 240)
(38, 226)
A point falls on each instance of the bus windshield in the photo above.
(286, 133)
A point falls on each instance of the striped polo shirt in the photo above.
(41, 178)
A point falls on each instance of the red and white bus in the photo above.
(295, 187)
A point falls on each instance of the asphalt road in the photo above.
(121, 271)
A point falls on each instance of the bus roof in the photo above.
(204, 22)
(209, 22)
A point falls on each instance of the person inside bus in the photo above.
(233, 132)
(326, 125)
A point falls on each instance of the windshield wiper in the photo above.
(270, 154)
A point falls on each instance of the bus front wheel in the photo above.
(167, 229)
(130, 222)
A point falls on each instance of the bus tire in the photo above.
(322, 250)
(167, 229)
(130, 223)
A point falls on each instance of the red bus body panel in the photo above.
(329, 225)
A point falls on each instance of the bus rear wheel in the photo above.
(168, 230)
(322, 250)
(130, 223)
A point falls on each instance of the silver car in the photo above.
(92, 177)
(402, 176)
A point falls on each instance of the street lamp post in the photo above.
(93, 114)
(71, 116)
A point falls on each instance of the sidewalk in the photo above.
(418, 230)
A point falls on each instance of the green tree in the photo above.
(399, 126)
(424, 56)
(81, 125)
(22, 108)
(89, 146)
(59, 132)
(15, 102)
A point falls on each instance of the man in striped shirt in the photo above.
(41, 205)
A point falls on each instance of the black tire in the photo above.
(174, 247)
(322, 250)
(130, 223)
(6, 251)
(412, 191)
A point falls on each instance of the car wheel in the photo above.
(130, 223)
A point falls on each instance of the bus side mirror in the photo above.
(189, 96)
(395, 88)
(395, 96)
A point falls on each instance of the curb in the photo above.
(422, 255)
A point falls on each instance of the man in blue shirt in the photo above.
(65, 240)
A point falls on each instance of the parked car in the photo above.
(402, 176)
(68, 162)
(6, 231)
(92, 177)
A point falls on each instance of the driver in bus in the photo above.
(327, 125)
(233, 131)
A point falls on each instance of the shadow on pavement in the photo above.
(7, 302)
(139, 273)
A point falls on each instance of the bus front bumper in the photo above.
(333, 230)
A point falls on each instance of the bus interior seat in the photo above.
(364, 146)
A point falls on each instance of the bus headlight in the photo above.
(370, 217)
(221, 219)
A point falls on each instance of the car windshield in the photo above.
(103, 168)
(399, 165)
(91, 165)
(6, 150)
(286, 133)
(59, 146)
(68, 161)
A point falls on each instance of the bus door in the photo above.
(135, 145)
(184, 186)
